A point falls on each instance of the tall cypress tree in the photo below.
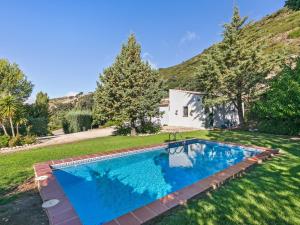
(129, 90)
(41, 106)
(234, 69)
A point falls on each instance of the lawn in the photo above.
(268, 194)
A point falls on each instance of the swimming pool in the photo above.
(107, 188)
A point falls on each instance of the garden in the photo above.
(264, 90)
(268, 194)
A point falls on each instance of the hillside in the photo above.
(68, 100)
(280, 32)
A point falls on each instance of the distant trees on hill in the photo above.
(293, 4)
(60, 107)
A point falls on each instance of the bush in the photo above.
(58, 113)
(145, 128)
(76, 121)
(294, 34)
(4, 139)
(123, 130)
(65, 125)
(38, 126)
(149, 128)
(15, 141)
(28, 139)
(278, 109)
(110, 123)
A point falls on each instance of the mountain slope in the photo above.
(280, 32)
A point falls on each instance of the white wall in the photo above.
(172, 115)
(225, 113)
(177, 100)
(164, 118)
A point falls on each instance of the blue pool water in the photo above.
(103, 190)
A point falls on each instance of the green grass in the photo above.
(268, 194)
(294, 34)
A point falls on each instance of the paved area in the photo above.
(178, 129)
(60, 138)
(295, 138)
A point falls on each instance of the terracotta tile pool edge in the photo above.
(181, 197)
(64, 214)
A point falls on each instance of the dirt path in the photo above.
(67, 138)
(26, 209)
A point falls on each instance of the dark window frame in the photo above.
(185, 111)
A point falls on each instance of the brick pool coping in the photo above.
(64, 214)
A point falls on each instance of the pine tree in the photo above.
(293, 4)
(233, 70)
(129, 90)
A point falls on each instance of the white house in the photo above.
(186, 109)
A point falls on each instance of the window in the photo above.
(185, 111)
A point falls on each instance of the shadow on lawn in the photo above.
(25, 209)
(265, 140)
(267, 194)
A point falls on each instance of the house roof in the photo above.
(190, 92)
(164, 102)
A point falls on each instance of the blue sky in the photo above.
(63, 45)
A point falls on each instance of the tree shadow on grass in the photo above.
(259, 139)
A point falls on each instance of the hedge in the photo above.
(76, 121)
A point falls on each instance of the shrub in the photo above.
(65, 125)
(76, 121)
(278, 109)
(28, 139)
(149, 128)
(110, 123)
(123, 130)
(145, 128)
(56, 119)
(15, 141)
(294, 34)
(4, 139)
(38, 126)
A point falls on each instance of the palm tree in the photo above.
(9, 106)
(20, 119)
(2, 122)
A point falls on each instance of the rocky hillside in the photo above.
(280, 32)
(70, 102)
